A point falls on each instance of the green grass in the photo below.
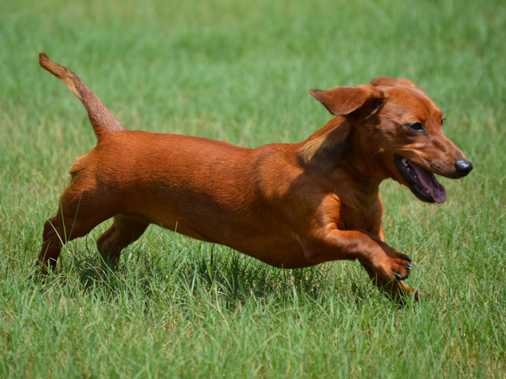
(240, 72)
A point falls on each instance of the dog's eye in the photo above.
(416, 126)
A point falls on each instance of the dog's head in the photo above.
(398, 131)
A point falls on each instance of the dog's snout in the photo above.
(463, 167)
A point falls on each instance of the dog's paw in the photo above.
(405, 294)
(400, 292)
(419, 294)
(391, 265)
(402, 267)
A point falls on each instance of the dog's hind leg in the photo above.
(80, 210)
(122, 233)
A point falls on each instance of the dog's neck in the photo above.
(336, 149)
(325, 148)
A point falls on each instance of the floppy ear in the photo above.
(341, 101)
(391, 82)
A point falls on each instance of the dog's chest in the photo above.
(361, 218)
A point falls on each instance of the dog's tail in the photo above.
(101, 119)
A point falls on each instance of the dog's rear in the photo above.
(66, 225)
(289, 205)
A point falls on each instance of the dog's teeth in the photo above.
(404, 163)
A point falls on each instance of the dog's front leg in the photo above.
(397, 288)
(380, 260)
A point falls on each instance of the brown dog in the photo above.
(288, 205)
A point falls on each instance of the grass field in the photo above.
(240, 72)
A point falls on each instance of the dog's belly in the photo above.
(273, 246)
(275, 250)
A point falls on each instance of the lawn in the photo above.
(240, 72)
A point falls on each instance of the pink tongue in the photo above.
(429, 181)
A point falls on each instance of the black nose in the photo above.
(463, 167)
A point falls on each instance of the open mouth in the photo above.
(420, 181)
